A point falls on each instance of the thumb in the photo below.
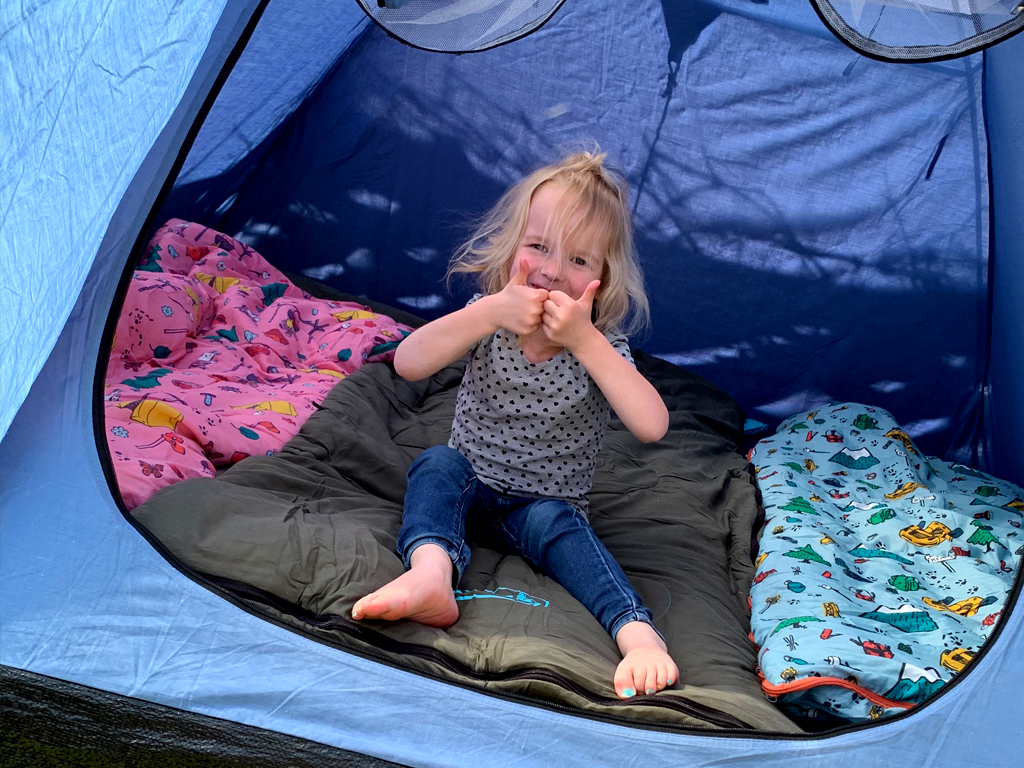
(519, 278)
(588, 294)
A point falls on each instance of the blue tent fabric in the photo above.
(1005, 417)
(812, 204)
(294, 45)
(87, 599)
(86, 90)
(823, 178)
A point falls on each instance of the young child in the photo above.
(546, 359)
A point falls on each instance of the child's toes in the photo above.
(651, 680)
(643, 678)
(659, 679)
(625, 686)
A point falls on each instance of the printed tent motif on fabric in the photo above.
(815, 226)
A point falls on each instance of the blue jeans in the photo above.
(444, 497)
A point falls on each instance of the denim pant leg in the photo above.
(555, 536)
(442, 488)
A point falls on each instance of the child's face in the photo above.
(569, 266)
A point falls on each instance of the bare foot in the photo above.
(646, 666)
(422, 594)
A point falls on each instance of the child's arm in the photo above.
(633, 398)
(517, 308)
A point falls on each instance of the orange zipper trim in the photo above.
(813, 682)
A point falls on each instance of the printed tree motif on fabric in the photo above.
(882, 572)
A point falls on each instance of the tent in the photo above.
(815, 225)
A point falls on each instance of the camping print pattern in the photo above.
(217, 356)
(882, 572)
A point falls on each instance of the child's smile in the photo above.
(568, 266)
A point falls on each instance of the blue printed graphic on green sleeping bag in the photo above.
(903, 562)
(502, 593)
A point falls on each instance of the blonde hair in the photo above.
(593, 196)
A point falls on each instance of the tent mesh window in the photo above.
(459, 26)
(921, 30)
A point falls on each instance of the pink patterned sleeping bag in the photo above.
(217, 356)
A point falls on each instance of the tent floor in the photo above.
(50, 723)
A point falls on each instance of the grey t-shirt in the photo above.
(531, 430)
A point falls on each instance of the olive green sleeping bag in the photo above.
(299, 536)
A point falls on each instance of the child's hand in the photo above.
(518, 307)
(566, 320)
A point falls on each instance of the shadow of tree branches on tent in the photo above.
(809, 231)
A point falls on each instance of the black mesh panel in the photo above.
(459, 26)
(921, 30)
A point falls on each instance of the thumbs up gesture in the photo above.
(566, 320)
(518, 307)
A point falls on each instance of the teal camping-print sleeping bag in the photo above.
(882, 572)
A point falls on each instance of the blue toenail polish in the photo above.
(628, 692)
(650, 691)
(669, 681)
